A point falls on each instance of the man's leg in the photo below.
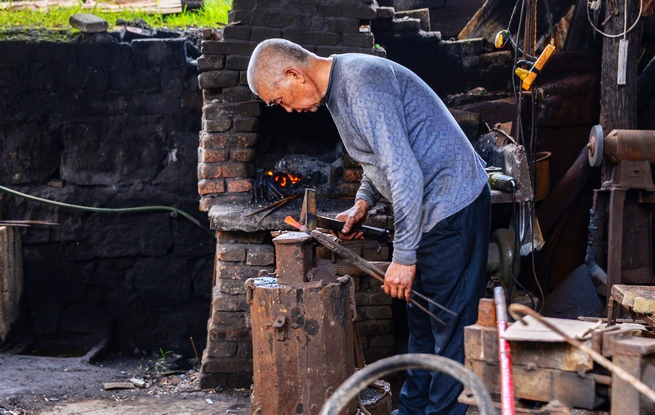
(451, 270)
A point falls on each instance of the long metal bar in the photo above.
(363, 264)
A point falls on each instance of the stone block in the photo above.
(237, 62)
(236, 47)
(377, 297)
(236, 32)
(221, 349)
(243, 109)
(234, 319)
(227, 365)
(246, 124)
(362, 40)
(356, 11)
(241, 237)
(159, 52)
(232, 287)
(226, 270)
(218, 79)
(217, 125)
(312, 38)
(259, 34)
(377, 312)
(375, 327)
(211, 63)
(231, 252)
(237, 93)
(88, 23)
(225, 302)
(211, 186)
(385, 12)
(261, 255)
(342, 25)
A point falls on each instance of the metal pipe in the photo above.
(630, 145)
(504, 355)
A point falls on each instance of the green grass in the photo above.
(213, 13)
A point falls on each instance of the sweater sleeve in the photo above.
(378, 114)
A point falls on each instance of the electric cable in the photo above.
(174, 211)
(352, 386)
(625, 31)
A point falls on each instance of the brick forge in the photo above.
(229, 153)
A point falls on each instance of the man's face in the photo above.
(294, 93)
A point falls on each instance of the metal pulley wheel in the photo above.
(596, 146)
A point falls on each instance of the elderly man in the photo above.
(414, 154)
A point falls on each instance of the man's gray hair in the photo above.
(271, 58)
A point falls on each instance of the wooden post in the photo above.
(618, 103)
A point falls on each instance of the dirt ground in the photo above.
(37, 385)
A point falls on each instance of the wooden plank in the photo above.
(148, 6)
(536, 331)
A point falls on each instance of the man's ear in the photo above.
(294, 74)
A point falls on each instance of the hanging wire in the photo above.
(173, 210)
(625, 31)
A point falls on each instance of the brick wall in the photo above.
(226, 170)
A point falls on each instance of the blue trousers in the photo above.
(451, 270)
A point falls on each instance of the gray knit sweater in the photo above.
(412, 150)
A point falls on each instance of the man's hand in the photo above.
(353, 216)
(398, 281)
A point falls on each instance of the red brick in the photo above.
(242, 154)
(239, 170)
(213, 155)
(210, 171)
(352, 175)
(239, 185)
(206, 187)
(227, 140)
(222, 334)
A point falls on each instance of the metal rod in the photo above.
(363, 264)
